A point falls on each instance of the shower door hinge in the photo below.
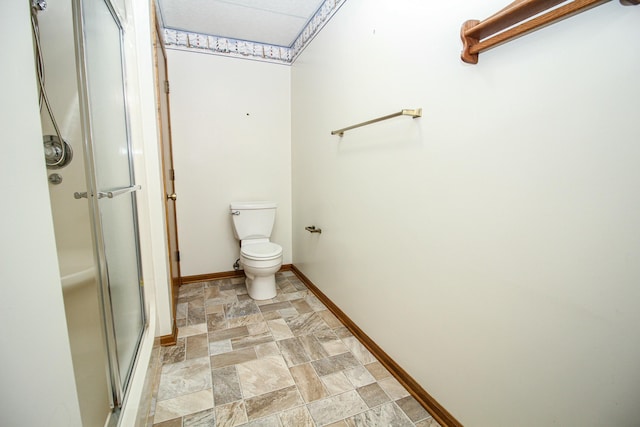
(166, 86)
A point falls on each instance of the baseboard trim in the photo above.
(420, 394)
(172, 338)
(223, 275)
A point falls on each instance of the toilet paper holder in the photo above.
(313, 229)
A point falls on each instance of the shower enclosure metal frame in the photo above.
(117, 379)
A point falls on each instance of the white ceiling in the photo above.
(274, 22)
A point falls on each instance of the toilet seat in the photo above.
(261, 251)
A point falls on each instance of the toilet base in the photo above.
(261, 287)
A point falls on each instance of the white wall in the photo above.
(491, 247)
(230, 122)
(35, 363)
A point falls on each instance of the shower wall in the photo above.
(70, 216)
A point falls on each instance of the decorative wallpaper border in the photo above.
(182, 40)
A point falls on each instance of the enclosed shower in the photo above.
(79, 58)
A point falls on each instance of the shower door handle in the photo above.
(173, 197)
(117, 192)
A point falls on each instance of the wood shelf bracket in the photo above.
(517, 19)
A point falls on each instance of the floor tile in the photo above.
(393, 388)
(292, 351)
(273, 402)
(275, 306)
(219, 347)
(326, 336)
(189, 330)
(174, 353)
(182, 378)
(359, 376)
(333, 348)
(429, 422)
(359, 351)
(183, 405)
(287, 313)
(268, 349)
(181, 310)
(263, 376)
(301, 306)
(223, 334)
(176, 422)
(315, 303)
(279, 329)
(258, 327)
(377, 370)
(271, 421)
(245, 320)
(230, 415)
(197, 346)
(241, 308)
(297, 417)
(336, 408)
(342, 332)
(200, 419)
(276, 363)
(373, 395)
(216, 321)
(195, 312)
(251, 340)
(334, 364)
(306, 323)
(273, 315)
(287, 287)
(226, 385)
(292, 296)
(312, 347)
(413, 409)
(328, 317)
(385, 415)
(309, 385)
(213, 308)
(233, 357)
(337, 383)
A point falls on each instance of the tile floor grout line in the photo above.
(286, 289)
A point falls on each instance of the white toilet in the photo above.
(260, 258)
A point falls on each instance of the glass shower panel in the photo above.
(114, 180)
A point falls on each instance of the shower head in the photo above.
(39, 4)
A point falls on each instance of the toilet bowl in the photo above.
(260, 262)
(259, 257)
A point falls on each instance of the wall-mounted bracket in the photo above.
(517, 19)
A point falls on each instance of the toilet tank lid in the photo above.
(253, 205)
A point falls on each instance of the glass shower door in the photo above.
(113, 193)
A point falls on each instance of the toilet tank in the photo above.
(253, 220)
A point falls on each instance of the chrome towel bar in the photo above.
(417, 112)
(119, 191)
(109, 194)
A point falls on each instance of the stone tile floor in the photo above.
(281, 362)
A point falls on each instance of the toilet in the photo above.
(259, 257)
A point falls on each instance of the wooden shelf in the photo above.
(517, 19)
